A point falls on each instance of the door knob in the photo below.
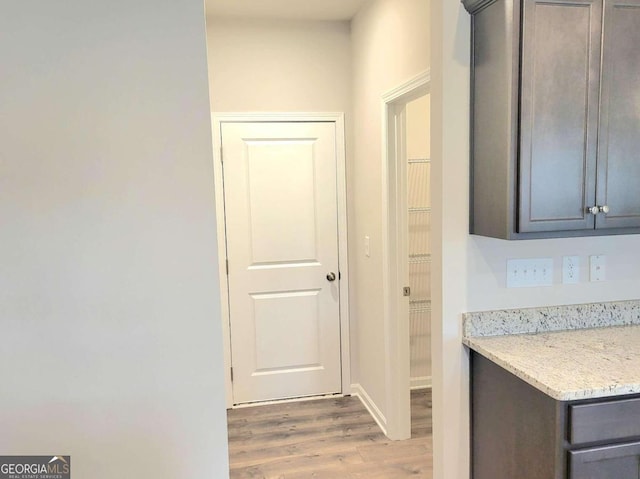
(604, 209)
(331, 277)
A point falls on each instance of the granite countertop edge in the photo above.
(597, 392)
(551, 318)
(538, 345)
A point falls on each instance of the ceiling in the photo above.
(289, 9)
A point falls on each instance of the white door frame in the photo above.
(395, 253)
(343, 265)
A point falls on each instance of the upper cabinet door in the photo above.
(619, 143)
(559, 113)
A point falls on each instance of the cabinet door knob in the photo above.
(604, 209)
(331, 277)
(594, 210)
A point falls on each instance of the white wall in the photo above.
(390, 45)
(473, 268)
(487, 271)
(419, 127)
(109, 305)
(450, 197)
(279, 65)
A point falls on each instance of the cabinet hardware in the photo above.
(594, 210)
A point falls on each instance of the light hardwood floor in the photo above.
(332, 438)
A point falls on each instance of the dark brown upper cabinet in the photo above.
(555, 121)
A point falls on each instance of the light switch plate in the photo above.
(526, 273)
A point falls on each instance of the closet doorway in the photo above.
(407, 274)
(419, 235)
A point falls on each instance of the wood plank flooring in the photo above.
(332, 438)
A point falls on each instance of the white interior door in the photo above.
(282, 247)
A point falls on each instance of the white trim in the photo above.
(394, 254)
(242, 117)
(409, 90)
(358, 391)
(343, 253)
(338, 119)
(421, 382)
(286, 401)
(222, 257)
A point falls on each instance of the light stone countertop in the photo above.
(551, 318)
(570, 365)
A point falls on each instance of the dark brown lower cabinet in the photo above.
(606, 462)
(518, 432)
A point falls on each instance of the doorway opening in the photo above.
(260, 64)
(406, 247)
(281, 212)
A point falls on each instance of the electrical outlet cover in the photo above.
(571, 269)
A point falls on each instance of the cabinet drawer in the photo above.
(604, 421)
(621, 461)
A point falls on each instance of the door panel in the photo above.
(295, 313)
(282, 213)
(619, 146)
(559, 114)
(281, 223)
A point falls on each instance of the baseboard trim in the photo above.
(370, 405)
(422, 382)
